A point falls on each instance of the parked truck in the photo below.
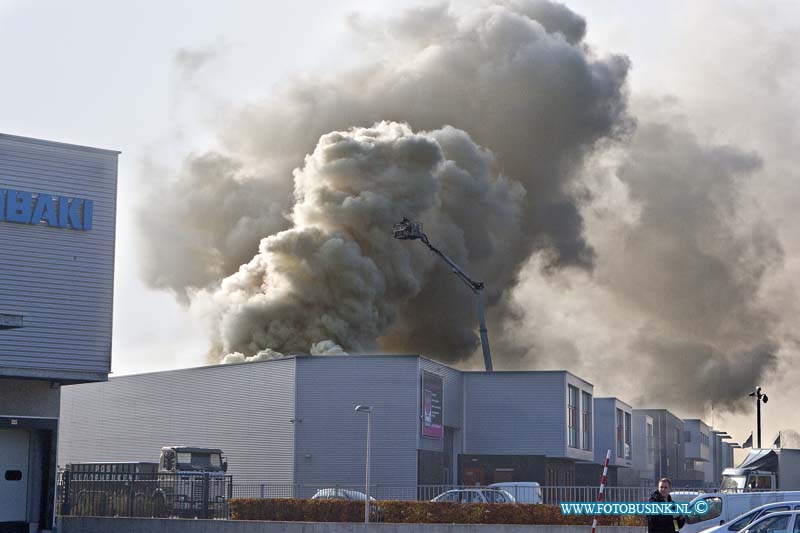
(764, 469)
(187, 482)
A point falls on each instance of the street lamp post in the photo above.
(409, 231)
(366, 409)
(759, 398)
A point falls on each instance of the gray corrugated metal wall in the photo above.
(605, 429)
(244, 409)
(530, 419)
(25, 397)
(331, 439)
(60, 280)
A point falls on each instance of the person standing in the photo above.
(663, 523)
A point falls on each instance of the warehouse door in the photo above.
(14, 445)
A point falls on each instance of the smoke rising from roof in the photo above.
(334, 279)
(605, 241)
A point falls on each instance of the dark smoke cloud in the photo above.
(536, 99)
(610, 246)
(337, 275)
(676, 293)
(527, 90)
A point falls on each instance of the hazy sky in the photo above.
(158, 80)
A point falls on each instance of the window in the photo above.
(677, 435)
(620, 434)
(773, 510)
(586, 416)
(687, 436)
(496, 496)
(743, 521)
(572, 416)
(552, 477)
(714, 510)
(761, 482)
(772, 524)
(472, 496)
(628, 431)
(651, 445)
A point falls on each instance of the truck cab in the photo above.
(764, 469)
(192, 482)
(185, 459)
(743, 480)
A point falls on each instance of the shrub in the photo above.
(411, 512)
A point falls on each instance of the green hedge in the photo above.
(411, 512)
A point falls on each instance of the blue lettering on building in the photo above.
(58, 212)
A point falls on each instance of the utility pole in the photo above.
(759, 398)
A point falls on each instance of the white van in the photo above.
(724, 507)
(523, 491)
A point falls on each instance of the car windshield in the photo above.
(771, 524)
(498, 496)
(199, 461)
(714, 510)
(743, 521)
(732, 483)
(450, 496)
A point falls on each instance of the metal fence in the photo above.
(208, 496)
(546, 494)
(183, 495)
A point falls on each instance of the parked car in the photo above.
(781, 522)
(476, 495)
(725, 507)
(522, 491)
(340, 494)
(748, 518)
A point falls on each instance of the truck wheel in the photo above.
(83, 505)
(140, 505)
(160, 506)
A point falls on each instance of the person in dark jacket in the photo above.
(663, 523)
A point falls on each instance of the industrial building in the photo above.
(292, 421)
(57, 229)
(613, 433)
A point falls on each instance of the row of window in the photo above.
(585, 441)
(583, 438)
(624, 424)
(705, 440)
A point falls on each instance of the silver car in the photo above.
(340, 494)
(476, 495)
(782, 522)
(743, 521)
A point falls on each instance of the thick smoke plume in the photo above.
(526, 88)
(609, 236)
(335, 275)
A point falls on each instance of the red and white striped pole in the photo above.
(602, 488)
